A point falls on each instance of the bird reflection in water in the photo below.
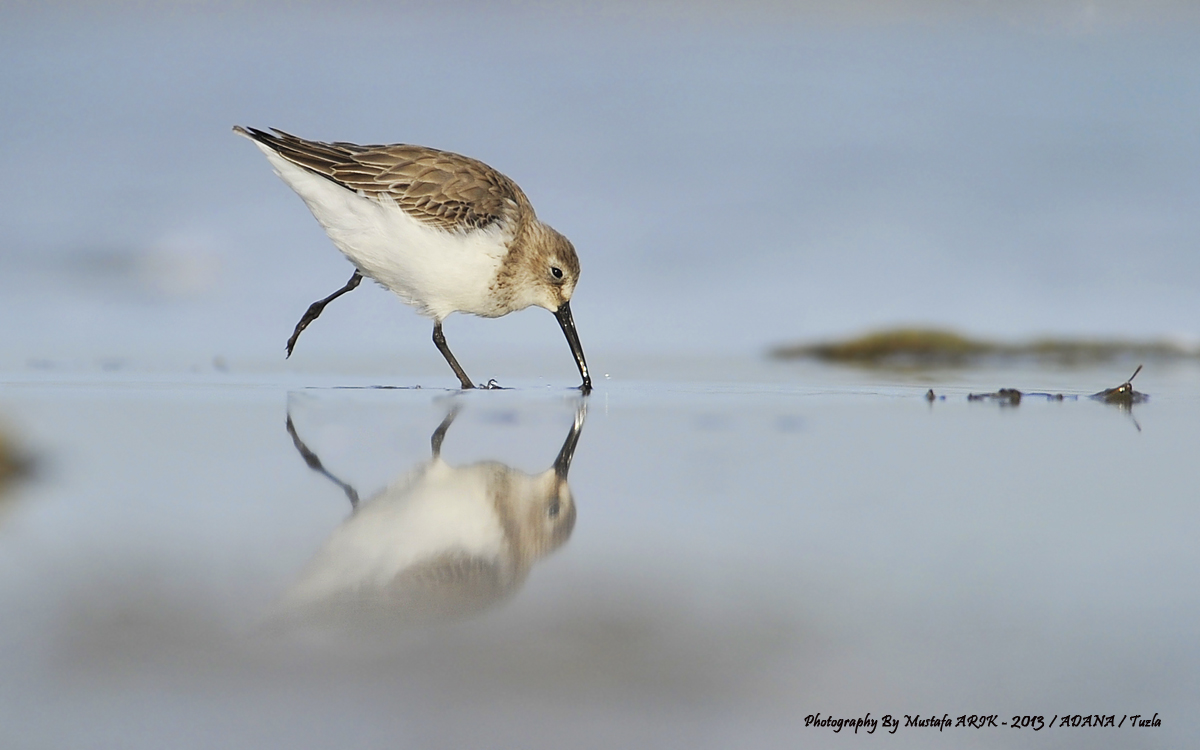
(439, 543)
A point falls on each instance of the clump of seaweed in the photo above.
(13, 464)
(897, 346)
(932, 347)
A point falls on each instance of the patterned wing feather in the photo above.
(439, 188)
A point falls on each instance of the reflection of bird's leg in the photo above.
(315, 309)
(315, 464)
(435, 440)
(562, 464)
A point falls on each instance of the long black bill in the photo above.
(568, 325)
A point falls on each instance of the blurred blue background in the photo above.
(734, 175)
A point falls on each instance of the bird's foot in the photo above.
(492, 385)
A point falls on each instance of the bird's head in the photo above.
(547, 513)
(542, 270)
(550, 269)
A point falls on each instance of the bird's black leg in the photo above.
(314, 310)
(439, 340)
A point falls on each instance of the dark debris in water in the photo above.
(1012, 397)
(1122, 395)
(928, 347)
(1005, 396)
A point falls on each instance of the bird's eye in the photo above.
(556, 272)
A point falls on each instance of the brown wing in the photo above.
(438, 188)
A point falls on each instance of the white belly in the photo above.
(436, 271)
(434, 511)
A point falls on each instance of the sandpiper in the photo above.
(445, 232)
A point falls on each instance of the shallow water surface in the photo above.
(717, 560)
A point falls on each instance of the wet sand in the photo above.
(749, 547)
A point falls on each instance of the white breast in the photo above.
(436, 271)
